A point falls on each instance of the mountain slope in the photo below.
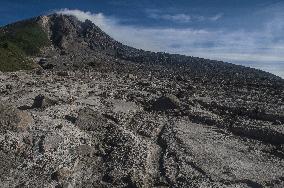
(67, 34)
(17, 42)
(97, 113)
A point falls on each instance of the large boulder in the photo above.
(42, 101)
(164, 103)
(89, 120)
(12, 119)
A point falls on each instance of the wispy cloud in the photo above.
(175, 17)
(99, 19)
(234, 46)
(216, 17)
(180, 17)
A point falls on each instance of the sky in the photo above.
(247, 32)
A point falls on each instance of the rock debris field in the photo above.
(105, 119)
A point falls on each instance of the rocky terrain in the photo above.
(97, 113)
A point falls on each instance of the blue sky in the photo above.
(248, 32)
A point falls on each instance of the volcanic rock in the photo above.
(109, 115)
(164, 103)
(42, 101)
(12, 119)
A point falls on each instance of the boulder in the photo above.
(48, 66)
(90, 120)
(42, 62)
(12, 119)
(167, 102)
(42, 101)
(63, 73)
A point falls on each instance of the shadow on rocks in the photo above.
(40, 102)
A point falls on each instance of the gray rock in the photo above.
(12, 119)
(42, 101)
(168, 102)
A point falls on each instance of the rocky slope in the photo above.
(97, 113)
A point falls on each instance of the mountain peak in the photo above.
(66, 30)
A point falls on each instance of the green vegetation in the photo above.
(19, 41)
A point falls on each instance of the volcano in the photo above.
(80, 109)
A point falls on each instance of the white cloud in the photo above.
(216, 17)
(181, 17)
(221, 45)
(99, 19)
